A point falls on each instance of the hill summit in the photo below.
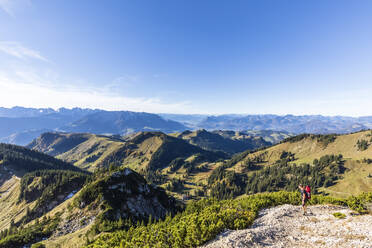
(226, 141)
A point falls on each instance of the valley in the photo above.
(97, 184)
(185, 124)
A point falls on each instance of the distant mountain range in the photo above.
(36, 112)
(19, 125)
(122, 122)
(294, 124)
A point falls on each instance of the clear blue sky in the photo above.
(278, 57)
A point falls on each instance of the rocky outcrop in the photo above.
(74, 223)
(285, 226)
(126, 194)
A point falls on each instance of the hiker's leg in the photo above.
(305, 201)
(303, 205)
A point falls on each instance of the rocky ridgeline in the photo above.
(122, 194)
(285, 226)
(126, 194)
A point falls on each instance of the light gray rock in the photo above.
(285, 226)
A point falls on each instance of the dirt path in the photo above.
(285, 226)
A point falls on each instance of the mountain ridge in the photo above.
(173, 166)
(122, 122)
(20, 125)
(52, 198)
(226, 141)
(197, 173)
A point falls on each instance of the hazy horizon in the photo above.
(169, 113)
(188, 57)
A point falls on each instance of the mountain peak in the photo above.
(126, 194)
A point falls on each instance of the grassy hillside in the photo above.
(83, 150)
(89, 151)
(115, 197)
(354, 148)
(53, 143)
(308, 147)
(357, 179)
(159, 157)
(10, 210)
(21, 160)
(184, 170)
(110, 200)
(48, 188)
(31, 184)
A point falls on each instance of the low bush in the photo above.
(205, 219)
(339, 215)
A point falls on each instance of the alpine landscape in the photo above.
(210, 124)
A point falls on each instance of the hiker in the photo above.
(305, 196)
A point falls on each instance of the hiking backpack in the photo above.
(308, 192)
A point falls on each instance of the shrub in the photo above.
(339, 215)
(203, 220)
(362, 145)
(38, 245)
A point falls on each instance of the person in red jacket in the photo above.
(304, 197)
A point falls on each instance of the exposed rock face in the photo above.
(78, 221)
(126, 194)
(285, 226)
